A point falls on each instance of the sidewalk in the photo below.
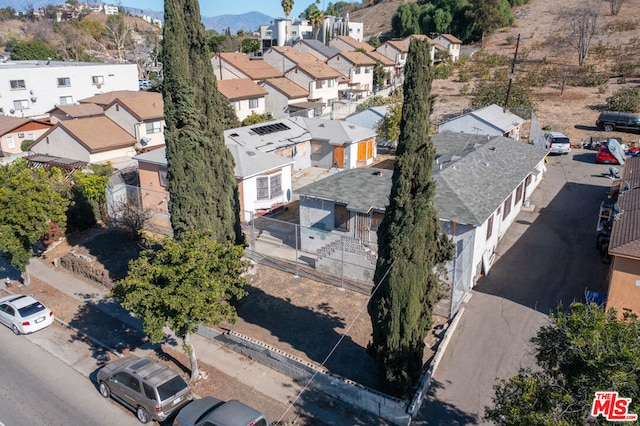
(259, 378)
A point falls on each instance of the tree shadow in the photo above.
(311, 331)
(436, 412)
(113, 248)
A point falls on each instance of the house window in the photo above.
(490, 227)
(332, 83)
(316, 148)
(317, 111)
(18, 84)
(358, 70)
(507, 208)
(97, 79)
(341, 217)
(368, 70)
(64, 81)
(262, 187)
(153, 127)
(235, 105)
(21, 104)
(376, 220)
(294, 33)
(10, 142)
(253, 103)
(21, 135)
(66, 100)
(319, 84)
(32, 136)
(275, 182)
(519, 192)
(162, 176)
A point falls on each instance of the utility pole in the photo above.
(513, 66)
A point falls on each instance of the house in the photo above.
(245, 96)
(319, 78)
(624, 243)
(358, 68)
(264, 180)
(93, 140)
(388, 66)
(31, 88)
(491, 120)
(283, 58)
(475, 207)
(451, 44)
(15, 131)
(309, 141)
(397, 51)
(285, 32)
(350, 44)
(369, 118)
(236, 65)
(71, 112)
(285, 98)
(334, 26)
(316, 48)
(141, 114)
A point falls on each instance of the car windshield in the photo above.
(171, 387)
(560, 140)
(31, 309)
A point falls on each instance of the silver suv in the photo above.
(557, 143)
(148, 387)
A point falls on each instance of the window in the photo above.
(341, 217)
(18, 84)
(153, 127)
(269, 187)
(519, 192)
(97, 79)
(235, 105)
(507, 207)
(316, 148)
(21, 104)
(317, 111)
(127, 380)
(294, 33)
(21, 135)
(262, 186)
(253, 103)
(331, 83)
(10, 142)
(489, 227)
(66, 100)
(276, 185)
(318, 84)
(64, 81)
(358, 70)
(149, 392)
(368, 70)
(162, 176)
(32, 136)
(376, 220)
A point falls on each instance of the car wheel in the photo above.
(15, 330)
(608, 128)
(104, 390)
(142, 415)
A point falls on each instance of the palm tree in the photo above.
(316, 16)
(287, 5)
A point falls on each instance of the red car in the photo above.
(604, 156)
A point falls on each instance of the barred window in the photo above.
(276, 185)
(64, 81)
(18, 84)
(262, 186)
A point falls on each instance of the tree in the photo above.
(183, 285)
(287, 5)
(316, 16)
(380, 76)
(583, 350)
(32, 50)
(117, 35)
(495, 92)
(406, 21)
(489, 15)
(30, 201)
(200, 168)
(412, 245)
(255, 118)
(626, 99)
(582, 23)
(616, 5)
(374, 41)
(388, 129)
(250, 45)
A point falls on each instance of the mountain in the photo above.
(250, 21)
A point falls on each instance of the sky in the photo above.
(272, 8)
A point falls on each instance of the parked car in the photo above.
(210, 411)
(144, 84)
(146, 386)
(621, 121)
(23, 314)
(557, 143)
(604, 156)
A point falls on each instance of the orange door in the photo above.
(338, 157)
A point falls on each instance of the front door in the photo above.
(338, 157)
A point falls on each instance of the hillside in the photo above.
(377, 18)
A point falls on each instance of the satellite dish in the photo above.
(12, 111)
(144, 141)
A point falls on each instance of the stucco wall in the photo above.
(624, 286)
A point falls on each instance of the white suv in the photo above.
(557, 143)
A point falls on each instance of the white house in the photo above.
(237, 65)
(491, 120)
(245, 96)
(31, 88)
(358, 68)
(285, 32)
(285, 98)
(451, 43)
(141, 114)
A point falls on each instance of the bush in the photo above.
(626, 99)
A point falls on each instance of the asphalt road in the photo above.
(547, 257)
(36, 388)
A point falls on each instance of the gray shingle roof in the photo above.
(490, 120)
(318, 46)
(337, 132)
(625, 232)
(468, 191)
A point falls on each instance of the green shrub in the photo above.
(626, 99)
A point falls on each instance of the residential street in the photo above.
(548, 257)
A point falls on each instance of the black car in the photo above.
(620, 121)
(210, 411)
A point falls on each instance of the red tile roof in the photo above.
(240, 88)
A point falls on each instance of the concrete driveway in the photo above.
(548, 257)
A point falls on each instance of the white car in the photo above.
(557, 143)
(23, 314)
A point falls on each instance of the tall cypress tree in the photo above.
(200, 175)
(411, 243)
